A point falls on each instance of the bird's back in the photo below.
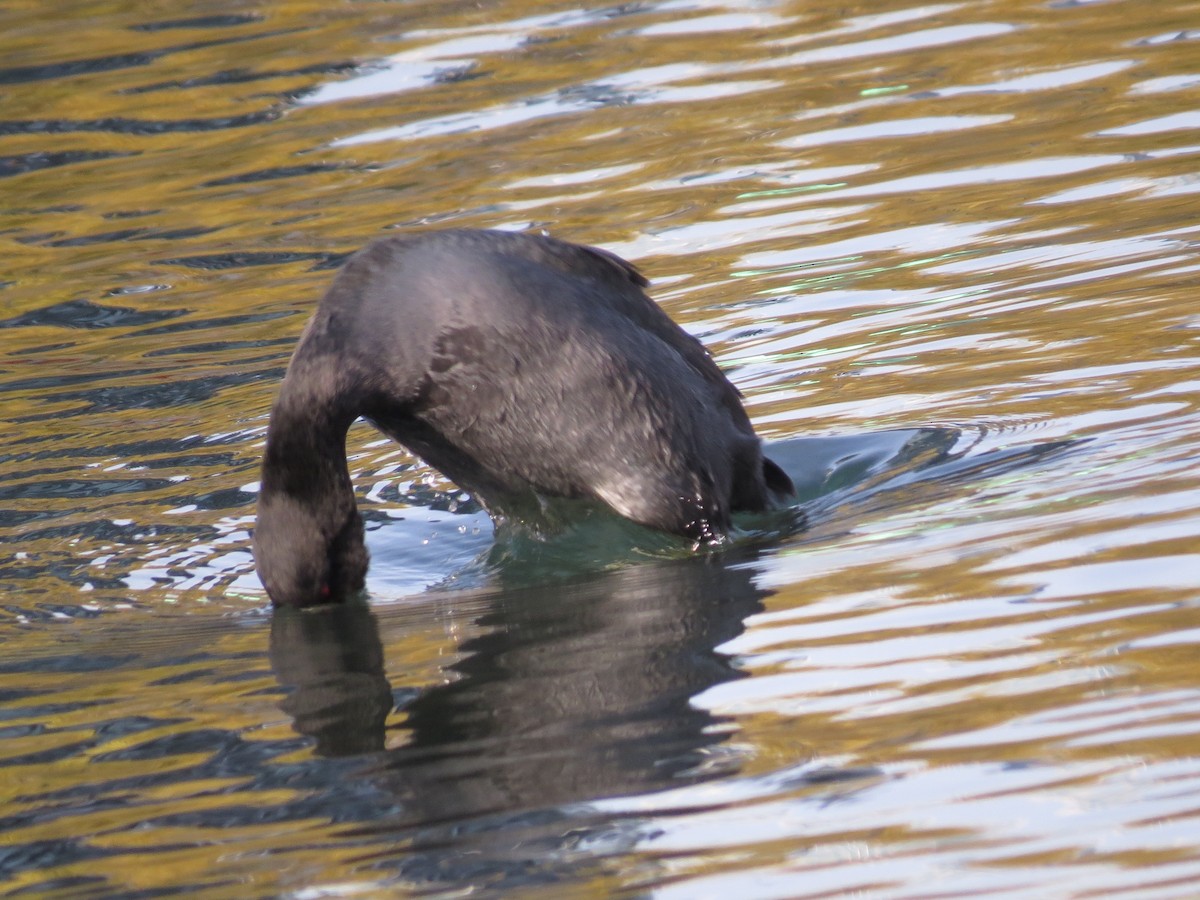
(515, 363)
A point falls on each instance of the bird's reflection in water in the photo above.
(333, 660)
(577, 691)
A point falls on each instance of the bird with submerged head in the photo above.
(521, 367)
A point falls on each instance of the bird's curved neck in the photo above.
(305, 455)
(304, 473)
(309, 545)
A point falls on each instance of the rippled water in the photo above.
(948, 251)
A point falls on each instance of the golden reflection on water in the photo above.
(976, 216)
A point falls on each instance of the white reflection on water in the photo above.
(893, 128)
(655, 85)
(1050, 79)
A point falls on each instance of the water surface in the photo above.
(949, 253)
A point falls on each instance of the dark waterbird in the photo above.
(522, 368)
